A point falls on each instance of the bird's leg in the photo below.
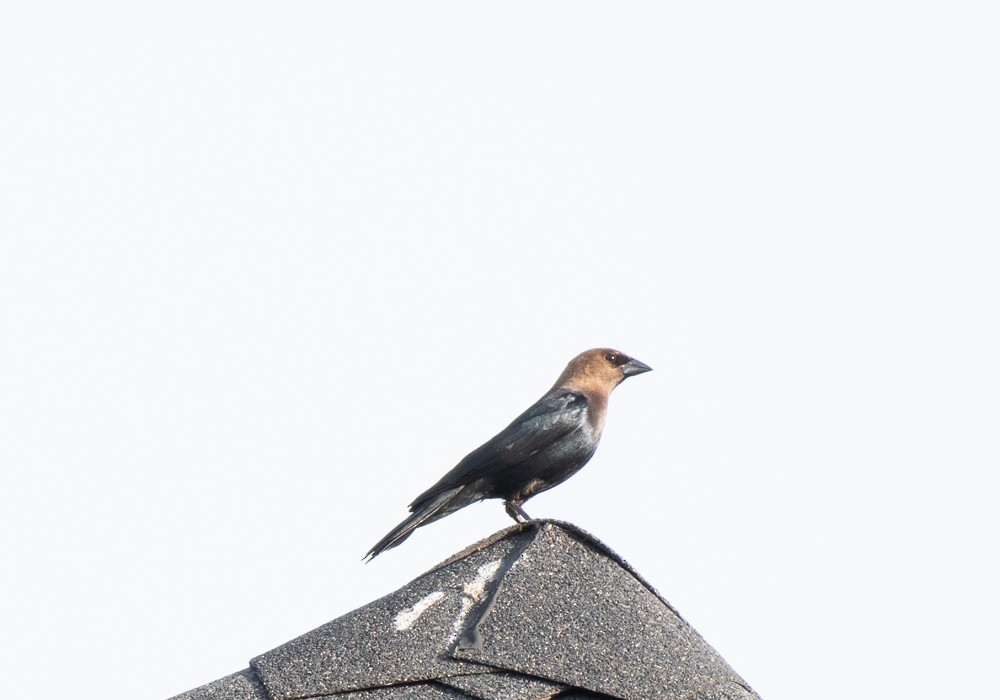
(515, 511)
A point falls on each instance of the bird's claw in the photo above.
(515, 511)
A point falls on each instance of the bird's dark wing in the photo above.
(551, 418)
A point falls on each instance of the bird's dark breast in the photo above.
(545, 468)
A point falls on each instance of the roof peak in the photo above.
(537, 610)
(550, 525)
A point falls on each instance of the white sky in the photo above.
(267, 271)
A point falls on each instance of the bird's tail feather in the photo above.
(427, 512)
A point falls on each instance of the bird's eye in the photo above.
(612, 358)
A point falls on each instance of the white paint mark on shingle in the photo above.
(405, 618)
(472, 593)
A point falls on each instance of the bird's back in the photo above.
(542, 447)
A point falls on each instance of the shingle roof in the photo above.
(537, 611)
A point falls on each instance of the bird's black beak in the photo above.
(633, 367)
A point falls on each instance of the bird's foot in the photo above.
(515, 511)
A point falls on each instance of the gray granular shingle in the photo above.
(238, 686)
(540, 610)
(374, 646)
(410, 691)
(568, 613)
(504, 686)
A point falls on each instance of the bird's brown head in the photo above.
(599, 371)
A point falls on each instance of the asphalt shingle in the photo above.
(571, 614)
(408, 691)
(504, 686)
(243, 685)
(403, 637)
(537, 611)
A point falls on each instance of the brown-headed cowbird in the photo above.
(543, 447)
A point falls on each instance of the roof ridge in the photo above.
(549, 601)
(540, 524)
(471, 637)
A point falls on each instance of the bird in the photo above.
(541, 448)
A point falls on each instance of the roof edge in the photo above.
(574, 531)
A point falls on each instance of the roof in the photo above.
(536, 611)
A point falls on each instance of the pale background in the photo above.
(268, 270)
